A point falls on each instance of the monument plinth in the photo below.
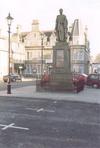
(61, 57)
(61, 76)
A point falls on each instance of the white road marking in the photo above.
(49, 111)
(12, 126)
(7, 126)
(41, 109)
(55, 102)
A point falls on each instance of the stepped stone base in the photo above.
(61, 82)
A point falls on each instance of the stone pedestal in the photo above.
(61, 57)
(61, 76)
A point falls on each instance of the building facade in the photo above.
(79, 48)
(38, 49)
(31, 53)
(18, 52)
(3, 56)
(17, 56)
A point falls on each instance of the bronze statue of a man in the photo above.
(61, 26)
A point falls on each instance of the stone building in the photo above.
(39, 51)
(3, 55)
(79, 48)
(17, 55)
(31, 53)
(17, 52)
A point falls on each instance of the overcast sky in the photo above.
(25, 11)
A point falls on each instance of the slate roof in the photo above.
(24, 33)
(48, 34)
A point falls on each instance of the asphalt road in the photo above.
(17, 84)
(40, 123)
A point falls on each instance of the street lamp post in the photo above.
(9, 21)
(42, 37)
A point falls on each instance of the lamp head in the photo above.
(9, 19)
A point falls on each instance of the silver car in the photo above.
(13, 77)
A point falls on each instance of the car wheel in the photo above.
(95, 85)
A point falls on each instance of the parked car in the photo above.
(93, 80)
(80, 75)
(13, 77)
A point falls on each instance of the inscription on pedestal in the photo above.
(60, 58)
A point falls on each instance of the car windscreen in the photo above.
(93, 76)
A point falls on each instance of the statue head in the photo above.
(61, 11)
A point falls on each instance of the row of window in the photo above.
(31, 69)
(78, 68)
(78, 55)
(37, 55)
(30, 42)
